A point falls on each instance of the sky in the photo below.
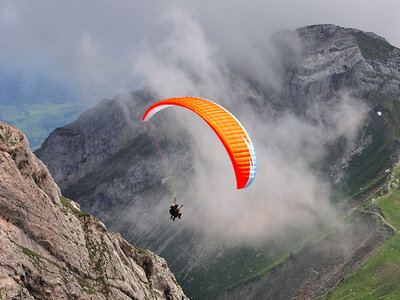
(95, 48)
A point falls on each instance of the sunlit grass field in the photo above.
(379, 278)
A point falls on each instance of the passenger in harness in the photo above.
(174, 210)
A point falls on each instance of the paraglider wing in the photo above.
(228, 129)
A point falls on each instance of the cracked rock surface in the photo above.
(49, 249)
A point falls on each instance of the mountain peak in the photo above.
(329, 29)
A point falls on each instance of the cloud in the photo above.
(287, 194)
(91, 47)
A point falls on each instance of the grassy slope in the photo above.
(247, 264)
(364, 171)
(238, 265)
(38, 120)
(378, 278)
(363, 176)
(373, 48)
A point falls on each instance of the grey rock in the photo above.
(49, 249)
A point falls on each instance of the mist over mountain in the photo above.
(309, 99)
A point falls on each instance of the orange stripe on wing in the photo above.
(227, 128)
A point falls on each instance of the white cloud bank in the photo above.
(91, 47)
(286, 193)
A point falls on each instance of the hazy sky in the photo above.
(92, 47)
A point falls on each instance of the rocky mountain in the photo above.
(334, 59)
(106, 161)
(50, 249)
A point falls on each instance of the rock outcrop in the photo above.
(334, 59)
(49, 249)
(94, 137)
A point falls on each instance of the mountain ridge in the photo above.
(330, 62)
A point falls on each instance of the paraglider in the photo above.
(229, 130)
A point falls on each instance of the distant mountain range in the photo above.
(36, 105)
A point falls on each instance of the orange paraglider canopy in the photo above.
(228, 129)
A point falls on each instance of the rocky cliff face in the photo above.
(334, 59)
(321, 63)
(94, 137)
(123, 175)
(49, 249)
